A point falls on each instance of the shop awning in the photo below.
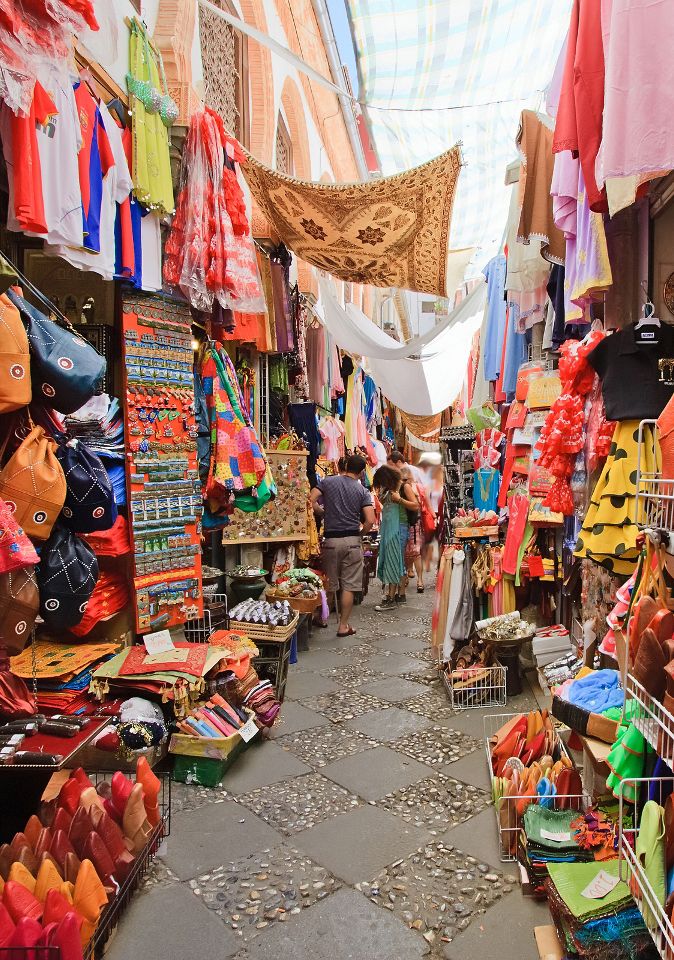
(390, 232)
(435, 72)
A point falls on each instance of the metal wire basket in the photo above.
(475, 687)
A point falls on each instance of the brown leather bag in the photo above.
(19, 606)
(15, 388)
(34, 485)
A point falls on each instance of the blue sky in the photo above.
(342, 30)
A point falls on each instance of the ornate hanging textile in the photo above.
(391, 232)
(425, 428)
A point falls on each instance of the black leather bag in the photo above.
(66, 577)
(90, 500)
(66, 370)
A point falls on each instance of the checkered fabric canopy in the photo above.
(487, 60)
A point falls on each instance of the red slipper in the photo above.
(349, 633)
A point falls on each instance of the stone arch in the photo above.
(261, 79)
(293, 107)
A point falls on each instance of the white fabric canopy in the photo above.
(422, 376)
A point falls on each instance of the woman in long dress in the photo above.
(393, 534)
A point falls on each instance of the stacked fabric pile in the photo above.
(63, 671)
(596, 916)
(563, 836)
(99, 424)
(177, 675)
(257, 695)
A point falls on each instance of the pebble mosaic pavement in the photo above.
(423, 894)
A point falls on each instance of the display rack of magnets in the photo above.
(165, 503)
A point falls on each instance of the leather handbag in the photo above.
(66, 576)
(19, 605)
(66, 370)
(15, 388)
(90, 501)
(33, 484)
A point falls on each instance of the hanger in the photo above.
(88, 81)
(648, 319)
(120, 110)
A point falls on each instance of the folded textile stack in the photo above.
(100, 424)
(594, 912)
(178, 675)
(257, 695)
(550, 643)
(591, 703)
(63, 671)
(562, 836)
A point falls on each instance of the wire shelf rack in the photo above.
(632, 870)
(198, 631)
(508, 820)
(654, 505)
(475, 687)
(652, 719)
(111, 914)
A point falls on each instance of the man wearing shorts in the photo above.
(347, 513)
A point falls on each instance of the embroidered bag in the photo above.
(90, 500)
(15, 390)
(33, 484)
(66, 576)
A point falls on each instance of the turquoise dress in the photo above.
(392, 540)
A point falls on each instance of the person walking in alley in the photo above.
(347, 511)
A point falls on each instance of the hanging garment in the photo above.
(317, 362)
(638, 138)
(332, 432)
(486, 483)
(578, 126)
(237, 460)
(495, 274)
(609, 532)
(153, 184)
(454, 602)
(517, 522)
(534, 140)
(209, 253)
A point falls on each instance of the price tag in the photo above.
(557, 837)
(158, 642)
(248, 730)
(602, 885)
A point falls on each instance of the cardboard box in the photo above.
(547, 941)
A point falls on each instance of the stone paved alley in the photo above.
(364, 831)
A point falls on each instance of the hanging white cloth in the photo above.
(422, 376)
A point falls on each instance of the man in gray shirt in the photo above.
(347, 513)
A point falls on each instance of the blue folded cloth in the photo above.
(597, 691)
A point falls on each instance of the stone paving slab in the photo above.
(401, 643)
(396, 665)
(219, 831)
(437, 892)
(301, 803)
(320, 659)
(303, 684)
(436, 746)
(262, 764)
(344, 926)
(168, 922)
(470, 769)
(386, 725)
(348, 703)
(358, 844)
(393, 689)
(293, 717)
(436, 803)
(252, 893)
(479, 837)
(376, 772)
(325, 744)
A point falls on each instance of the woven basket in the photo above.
(263, 631)
(300, 604)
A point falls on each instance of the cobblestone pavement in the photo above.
(362, 831)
